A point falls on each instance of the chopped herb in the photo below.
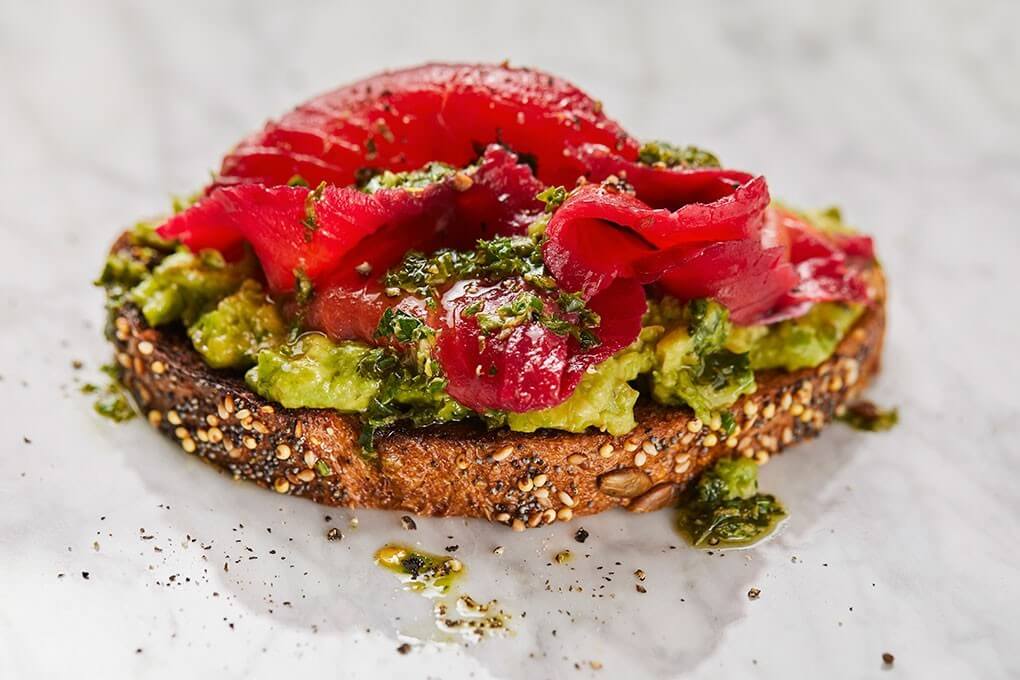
(499, 258)
(322, 467)
(414, 180)
(310, 221)
(672, 156)
(297, 181)
(864, 415)
(729, 423)
(553, 198)
(402, 326)
(529, 308)
(303, 288)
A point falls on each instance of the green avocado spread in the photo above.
(314, 372)
(687, 354)
(240, 326)
(185, 285)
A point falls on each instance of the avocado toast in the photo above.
(462, 291)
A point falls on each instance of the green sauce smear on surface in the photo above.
(724, 508)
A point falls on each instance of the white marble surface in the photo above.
(905, 113)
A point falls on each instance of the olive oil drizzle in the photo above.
(434, 577)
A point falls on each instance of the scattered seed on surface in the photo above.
(753, 594)
(334, 534)
(581, 535)
(408, 523)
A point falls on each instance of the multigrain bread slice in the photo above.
(521, 480)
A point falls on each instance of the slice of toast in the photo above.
(521, 480)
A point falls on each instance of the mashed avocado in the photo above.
(804, 342)
(314, 372)
(243, 324)
(603, 399)
(352, 377)
(691, 365)
(185, 285)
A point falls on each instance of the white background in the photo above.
(904, 113)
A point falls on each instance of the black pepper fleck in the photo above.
(581, 536)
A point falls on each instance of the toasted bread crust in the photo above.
(521, 480)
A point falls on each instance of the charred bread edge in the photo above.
(518, 479)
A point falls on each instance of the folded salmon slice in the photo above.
(401, 120)
(528, 366)
(319, 231)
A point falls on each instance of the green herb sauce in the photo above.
(671, 156)
(724, 508)
(112, 401)
(864, 415)
(692, 365)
